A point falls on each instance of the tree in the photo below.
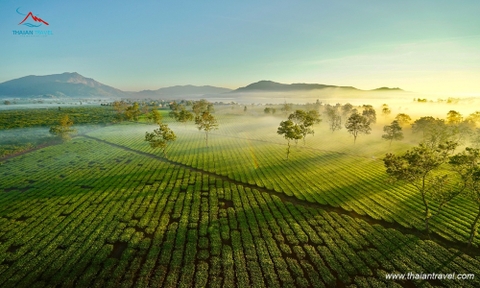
(207, 123)
(6, 102)
(145, 109)
(202, 106)
(416, 167)
(434, 131)
(392, 132)
(155, 116)
(459, 128)
(333, 118)
(245, 109)
(298, 116)
(370, 113)
(132, 112)
(269, 110)
(64, 129)
(160, 137)
(305, 121)
(181, 114)
(454, 117)
(286, 108)
(290, 131)
(174, 108)
(184, 116)
(403, 119)
(466, 164)
(474, 118)
(347, 109)
(357, 124)
(120, 107)
(385, 110)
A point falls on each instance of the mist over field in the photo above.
(244, 205)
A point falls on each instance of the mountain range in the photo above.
(75, 85)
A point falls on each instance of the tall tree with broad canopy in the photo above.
(392, 132)
(357, 124)
(180, 113)
(206, 122)
(474, 119)
(63, 130)
(433, 130)
(370, 113)
(184, 116)
(155, 116)
(290, 131)
(201, 106)
(454, 117)
(347, 109)
(333, 117)
(305, 121)
(160, 137)
(467, 165)
(132, 112)
(417, 168)
(403, 119)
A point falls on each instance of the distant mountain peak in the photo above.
(387, 89)
(268, 85)
(67, 84)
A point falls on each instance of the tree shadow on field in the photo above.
(123, 185)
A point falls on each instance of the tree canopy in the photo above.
(369, 113)
(333, 117)
(63, 130)
(403, 119)
(201, 106)
(416, 168)
(160, 137)
(466, 164)
(305, 121)
(357, 124)
(392, 132)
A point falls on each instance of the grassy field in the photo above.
(106, 210)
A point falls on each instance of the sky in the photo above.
(420, 46)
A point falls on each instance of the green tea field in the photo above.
(107, 210)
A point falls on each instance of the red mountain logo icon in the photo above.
(34, 18)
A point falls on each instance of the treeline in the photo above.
(359, 120)
(23, 118)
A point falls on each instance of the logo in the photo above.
(35, 19)
(32, 21)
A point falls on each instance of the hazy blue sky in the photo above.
(423, 46)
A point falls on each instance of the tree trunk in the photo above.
(474, 228)
(288, 149)
(206, 138)
(427, 213)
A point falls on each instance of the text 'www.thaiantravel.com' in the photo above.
(429, 276)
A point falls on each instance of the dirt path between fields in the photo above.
(461, 246)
